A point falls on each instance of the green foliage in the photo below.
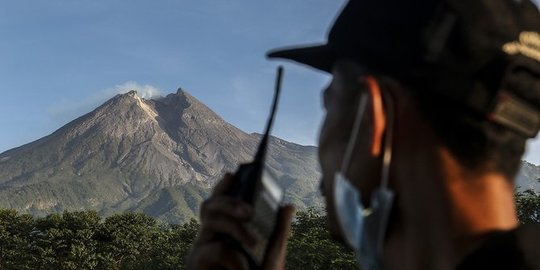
(84, 240)
(311, 246)
(128, 239)
(15, 230)
(166, 254)
(528, 207)
(66, 241)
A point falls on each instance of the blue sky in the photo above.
(60, 59)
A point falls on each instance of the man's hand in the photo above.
(221, 214)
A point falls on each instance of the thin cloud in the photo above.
(66, 110)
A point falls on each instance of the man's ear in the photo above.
(379, 117)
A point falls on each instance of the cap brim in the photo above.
(321, 57)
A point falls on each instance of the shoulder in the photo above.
(528, 238)
(515, 249)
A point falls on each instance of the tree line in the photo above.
(84, 240)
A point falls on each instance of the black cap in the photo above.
(465, 50)
(374, 32)
(383, 34)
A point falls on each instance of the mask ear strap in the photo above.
(376, 91)
(374, 88)
(388, 140)
(354, 135)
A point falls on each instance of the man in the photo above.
(427, 117)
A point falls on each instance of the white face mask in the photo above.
(364, 229)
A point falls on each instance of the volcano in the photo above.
(159, 156)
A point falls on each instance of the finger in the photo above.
(228, 226)
(227, 206)
(216, 255)
(223, 185)
(275, 256)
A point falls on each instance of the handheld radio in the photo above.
(255, 185)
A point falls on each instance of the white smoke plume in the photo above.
(144, 91)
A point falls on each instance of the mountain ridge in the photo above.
(158, 156)
(129, 153)
(528, 177)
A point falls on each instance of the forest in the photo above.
(85, 240)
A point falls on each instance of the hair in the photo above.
(477, 144)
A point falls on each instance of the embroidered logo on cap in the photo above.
(528, 45)
(516, 114)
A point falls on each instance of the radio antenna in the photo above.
(261, 152)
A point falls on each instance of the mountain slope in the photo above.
(158, 156)
(528, 177)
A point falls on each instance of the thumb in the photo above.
(275, 256)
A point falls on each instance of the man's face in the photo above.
(341, 100)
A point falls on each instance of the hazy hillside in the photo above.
(528, 177)
(156, 156)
